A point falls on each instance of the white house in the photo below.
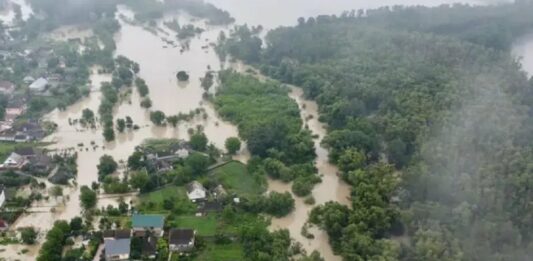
(182, 153)
(2, 195)
(195, 191)
(39, 85)
(14, 161)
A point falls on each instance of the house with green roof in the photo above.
(142, 223)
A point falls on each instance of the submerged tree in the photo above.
(182, 76)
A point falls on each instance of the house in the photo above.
(21, 138)
(41, 163)
(116, 234)
(181, 240)
(12, 113)
(117, 244)
(117, 249)
(182, 153)
(7, 88)
(152, 223)
(149, 246)
(2, 195)
(32, 130)
(5, 125)
(39, 85)
(14, 161)
(195, 191)
(26, 152)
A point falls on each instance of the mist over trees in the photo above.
(429, 120)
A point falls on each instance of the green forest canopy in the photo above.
(434, 92)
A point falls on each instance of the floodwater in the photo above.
(523, 49)
(158, 68)
(332, 188)
(160, 60)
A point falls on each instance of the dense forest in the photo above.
(430, 121)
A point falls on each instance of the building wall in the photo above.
(2, 198)
(119, 257)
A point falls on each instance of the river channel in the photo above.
(159, 62)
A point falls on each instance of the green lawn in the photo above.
(230, 252)
(204, 226)
(167, 192)
(153, 202)
(235, 178)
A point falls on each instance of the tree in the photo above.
(139, 180)
(142, 88)
(56, 191)
(136, 161)
(146, 103)
(207, 81)
(157, 117)
(351, 159)
(173, 120)
(28, 235)
(279, 204)
(198, 163)
(52, 248)
(76, 224)
(121, 125)
(87, 197)
(233, 144)
(109, 134)
(107, 166)
(129, 122)
(182, 76)
(198, 141)
(87, 116)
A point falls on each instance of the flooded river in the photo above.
(159, 62)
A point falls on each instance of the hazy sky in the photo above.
(273, 13)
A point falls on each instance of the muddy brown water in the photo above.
(159, 62)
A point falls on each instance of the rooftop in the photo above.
(180, 236)
(114, 247)
(117, 234)
(194, 186)
(25, 151)
(147, 221)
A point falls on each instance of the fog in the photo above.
(273, 13)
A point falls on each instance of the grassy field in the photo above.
(167, 192)
(204, 226)
(235, 178)
(153, 202)
(230, 252)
